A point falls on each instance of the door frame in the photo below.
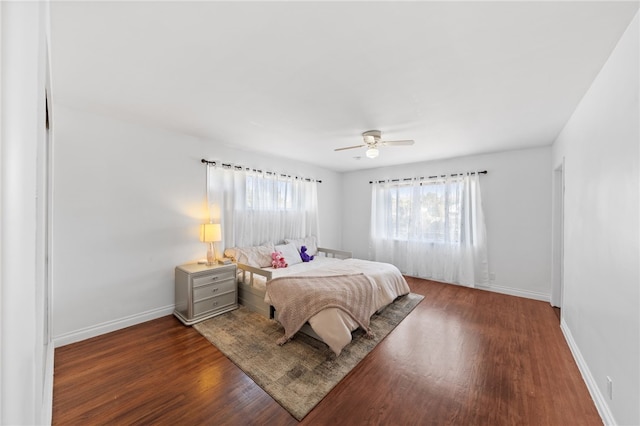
(557, 235)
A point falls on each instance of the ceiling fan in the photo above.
(372, 141)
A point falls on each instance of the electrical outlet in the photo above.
(609, 387)
(492, 276)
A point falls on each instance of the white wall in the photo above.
(129, 200)
(25, 381)
(516, 199)
(601, 301)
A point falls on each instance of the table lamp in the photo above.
(210, 233)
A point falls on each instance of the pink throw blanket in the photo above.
(296, 299)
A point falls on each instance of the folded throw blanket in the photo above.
(296, 299)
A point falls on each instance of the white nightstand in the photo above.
(204, 291)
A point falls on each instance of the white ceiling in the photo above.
(299, 79)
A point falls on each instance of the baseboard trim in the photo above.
(109, 326)
(592, 386)
(527, 294)
(545, 297)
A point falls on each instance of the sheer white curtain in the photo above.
(431, 228)
(255, 208)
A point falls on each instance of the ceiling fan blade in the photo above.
(349, 147)
(403, 142)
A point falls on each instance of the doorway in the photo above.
(557, 235)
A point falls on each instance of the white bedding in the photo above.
(333, 325)
(259, 282)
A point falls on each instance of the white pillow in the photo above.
(309, 242)
(256, 256)
(290, 253)
(231, 253)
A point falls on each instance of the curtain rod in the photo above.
(484, 172)
(248, 169)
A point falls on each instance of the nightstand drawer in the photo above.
(206, 291)
(214, 303)
(213, 278)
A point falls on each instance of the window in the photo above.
(430, 208)
(255, 207)
(423, 211)
(269, 193)
(431, 228)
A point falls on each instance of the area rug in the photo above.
(300, 373)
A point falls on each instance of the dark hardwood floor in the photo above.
(462, 357)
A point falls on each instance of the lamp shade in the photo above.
(210, 232)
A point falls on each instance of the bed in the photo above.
(379, 283)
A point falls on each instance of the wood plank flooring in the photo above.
(462, 357)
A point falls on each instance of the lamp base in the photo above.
(211, 255)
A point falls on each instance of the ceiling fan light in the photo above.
(372, 152)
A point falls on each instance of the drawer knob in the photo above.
(214, 290)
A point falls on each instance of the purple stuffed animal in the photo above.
(303, 254)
